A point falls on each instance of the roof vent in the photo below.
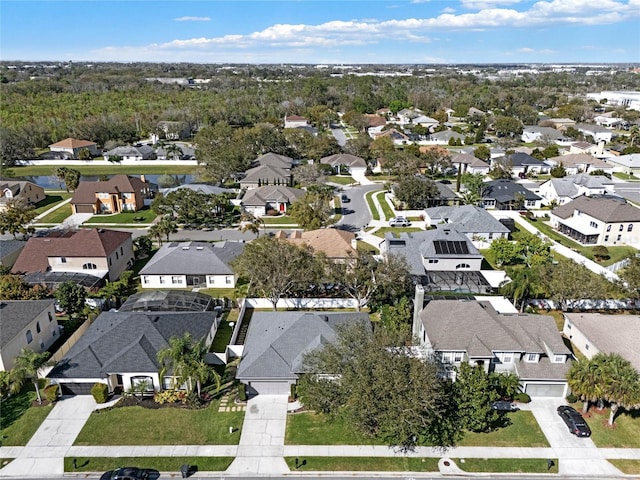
(155, 319)
(199, 248)
(185, 248)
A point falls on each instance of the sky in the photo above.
(322, 32)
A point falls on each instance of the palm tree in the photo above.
(27, 365)
(620, 381)
(173, 151)
(166, 226)
(251, 223)
(175, 358)
(583, 379)
(199, 370)
(154, 231)
(523, 283)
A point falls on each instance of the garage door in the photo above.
(544, 390)
(84, 208)
(76, 388)
(271, 388)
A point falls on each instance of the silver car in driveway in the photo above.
(399, 222)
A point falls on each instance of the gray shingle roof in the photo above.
(277, 341)
(344, 159)
(127, 342)
(200, 188)
(504, 190)
(468, 219)
(15, 315)
(608, 210)
(520, 159)
(258, 197)
(193, 258)
(275, 160)
(266, 173)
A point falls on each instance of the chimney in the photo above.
(418, 303)
(143, 178)
(600, 149)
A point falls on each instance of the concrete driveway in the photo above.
(577, 456)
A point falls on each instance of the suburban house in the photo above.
(266, 175)
(443, 259)
(22, 191)
(561, 123)
(598, 221)
(445, 136)
(521, 164)
(71, 147)
(192, 264)
(469, 163)
(598, 133)
(338, 245)
(593, 333)
(96, 252)
(200, 188)
(10, 250)
(276, 342)
(475, 222)
(28, 324)
(534, 133)
(295, 121)
(626, 98)
(629, 164)
(396, 136)
(350, 163)
(259, 201)
(575, 163)
(168, 152)
(120, 350)
(608, 120)
(474, 332)
(425, 121)
(406, 116)
(274, 160)
(174, 130)
(506, 194)
(131, 153)
(563, 190)
(121, 193)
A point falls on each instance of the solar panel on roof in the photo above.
(450, 247)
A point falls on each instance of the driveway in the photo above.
(577, 456)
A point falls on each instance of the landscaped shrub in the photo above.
(294, 393)
(242, 392)
(100, 392)
(522, 397)
(571, 398)
(169, 396)
(51, 393)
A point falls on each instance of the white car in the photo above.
(399, 222)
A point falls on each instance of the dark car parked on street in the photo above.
(131, 473)
(577, 425)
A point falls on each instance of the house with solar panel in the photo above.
(443, 259)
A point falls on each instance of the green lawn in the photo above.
(523, 431)
(51, 199)
(162, 464)
(18, 419)
(625, 176)
(279, 220)
(615, 253)
(507, 465)
(341, 179)
(111, 169)
(630, 467)
(58, 215)
(164, 426)
(315, 429)
(386, 208)
(626, 431)
(374, 211)
(222, 338)
(382, 231)
(145, 215)
(364, 464)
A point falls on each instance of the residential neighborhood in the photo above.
(423, 288)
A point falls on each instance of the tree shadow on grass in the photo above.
(12, 408)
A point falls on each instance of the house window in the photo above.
(29, 336)
(608, 228)
(618, 238)
(530, 203)
(116, 255)
(176, 279)
(142, 383)
(161, 279)
(490, 236)
(89, 266)
(62, 260)
(446, 357)
(505, 357)
(606, 238)
(145, 280)
(558, 359)
(462, 266)
(53, 332)
(38, 327)
(432, 260)
(531, 358)
(630, 227)
(50, 316)
(109, 261)
(457, 357)
(621, 228)
(227, 280)
(121, 251)
(593, 224)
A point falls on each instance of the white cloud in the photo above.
(448, 10)
(543, 51)
(192, 19)
(486, 4)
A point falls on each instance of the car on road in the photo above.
(399, 222)
(344, 198)
(577, 425)
(130, 473)
(504, 406)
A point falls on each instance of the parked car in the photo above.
(344, 198)
(577, 425)
(504, 406)
(399, 222)
(130, 473)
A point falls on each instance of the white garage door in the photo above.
(271, 388)
(544, 390)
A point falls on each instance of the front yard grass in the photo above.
(57, 216)
(51, 200)
(364, 464)
(222, 338)
(341, 179)
(630, 467)
(146, 215)
(375, 215)
(279, 220)
(162, 464)
(163, 426)
(315, 429)
(18, 419)
(624, 434)
(507, 465)
(386, 209)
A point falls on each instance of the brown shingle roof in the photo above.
(86, 191)
(72, 143)
(333, 242)
(574, 159)
(82, 243)
(604, 209)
